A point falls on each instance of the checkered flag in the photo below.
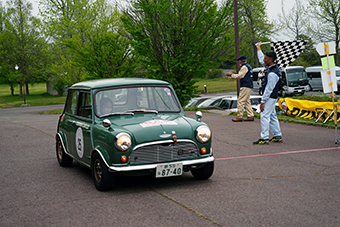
(287, 51)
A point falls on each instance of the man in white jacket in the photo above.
(270, 88)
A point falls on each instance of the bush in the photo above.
(214, 73)
(320, 97)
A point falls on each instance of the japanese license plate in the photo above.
(169, 170)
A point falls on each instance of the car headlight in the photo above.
(123, 141)
(203, 134)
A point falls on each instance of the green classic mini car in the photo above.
(131, 127)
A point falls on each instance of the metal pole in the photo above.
(236, 44)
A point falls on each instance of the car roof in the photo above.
(294, 67)
(234, 97)
(113, 82)
(318, 68)
(314, 68)
(258, 69)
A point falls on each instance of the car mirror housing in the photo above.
(107, 123)
(199, 115)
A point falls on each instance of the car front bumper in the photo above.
(153, 166)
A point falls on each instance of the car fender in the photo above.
(103, 154)
(60, 135)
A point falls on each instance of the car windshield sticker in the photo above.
(157, 122)
(168, 92)
(80, 142)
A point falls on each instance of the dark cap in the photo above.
(271, 54)
(242, 57)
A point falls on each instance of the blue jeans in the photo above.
(269, 120)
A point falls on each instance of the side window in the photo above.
(71, 102)
(85, 106)
(316, 75)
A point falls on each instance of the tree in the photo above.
(87, 41)
(327, 27)
(295, 23)
(254, 27)
(23, 43)
(178, 39)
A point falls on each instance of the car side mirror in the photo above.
(107, 123)
(199, 115)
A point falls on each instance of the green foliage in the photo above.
(327, 14)
(178, 40)
(20, 44)
(107, 55)
(214, 73)
(88, 43)
(253, 27)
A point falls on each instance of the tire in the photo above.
(63, 159)
(103, 179)
(203, 173)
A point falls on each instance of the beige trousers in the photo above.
(243, 101)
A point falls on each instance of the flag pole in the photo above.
(263, 43)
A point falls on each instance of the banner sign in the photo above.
(303, 108)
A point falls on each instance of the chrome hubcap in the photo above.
(60, 151)
(97, 170)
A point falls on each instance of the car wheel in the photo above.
(102, 178)
(63, 159)
(204, 172)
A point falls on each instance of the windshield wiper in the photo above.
(117, 114)
(141, 111)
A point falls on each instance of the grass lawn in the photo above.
(217, 85)
(38, 96)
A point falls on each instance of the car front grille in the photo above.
(165, 152)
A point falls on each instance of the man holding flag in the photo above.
(270, 88)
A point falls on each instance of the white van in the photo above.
(295, 81)
(315, 81)
(258, 76)
(294, 78)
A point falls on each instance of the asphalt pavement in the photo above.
(294, 183)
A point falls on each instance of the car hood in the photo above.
(149, 127)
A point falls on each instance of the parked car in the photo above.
(315, 81)
(131, 127)
(230, 103)
(213, 101)
(196, 101)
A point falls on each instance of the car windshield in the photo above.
(132, 100)
(296, 75)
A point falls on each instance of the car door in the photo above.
(77, 124)
(82, 127)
